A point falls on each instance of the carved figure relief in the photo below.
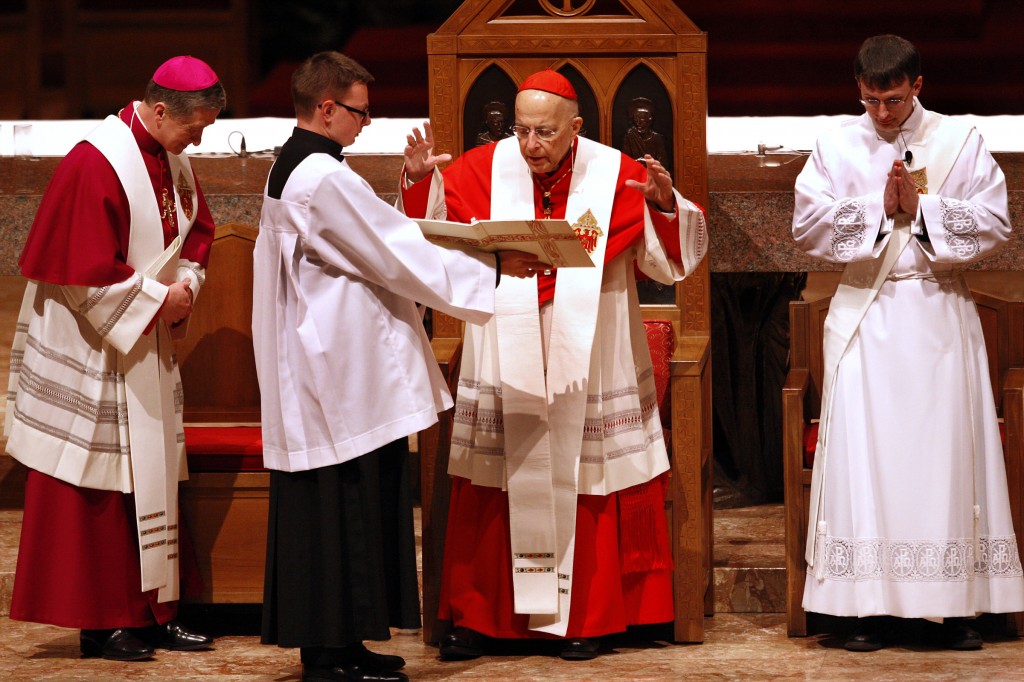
(641, 138)
(494, 123)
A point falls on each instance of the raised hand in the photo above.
(657, 187)
(419, 153)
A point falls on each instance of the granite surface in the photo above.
(750, 204)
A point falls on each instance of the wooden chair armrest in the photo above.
(448, 353)
(797, 383)
(1014, 380)
(691, 356)
(446, 350)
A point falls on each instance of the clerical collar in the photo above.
(313, 143)
(143, 138)
(301, 144)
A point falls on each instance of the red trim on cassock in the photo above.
(476, 588)
(78, 562)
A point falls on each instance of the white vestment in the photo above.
(910, 514)
(588, 422)
(92, 399)
(343, 361)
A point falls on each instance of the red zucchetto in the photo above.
(185, 74)
(549, 81)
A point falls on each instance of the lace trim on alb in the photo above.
(848, 229)
(961, 228)
(920, 560)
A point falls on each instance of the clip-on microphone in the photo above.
(908, 156)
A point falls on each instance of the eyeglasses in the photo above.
(891, 103)
(363, 115)
(543, 134)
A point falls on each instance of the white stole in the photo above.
(544, 416)
(937, 147)
(149, 379)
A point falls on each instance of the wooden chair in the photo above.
(611, 52)
(224, 503)
(999, 297)
(684, 381)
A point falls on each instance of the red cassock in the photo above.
(621, 575)
(78, 562)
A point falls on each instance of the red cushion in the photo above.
(662, 342)
(811, 441)
(224, 448)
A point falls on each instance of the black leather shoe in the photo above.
(386, 662)
(462, 644)
(579, 649)
(863, 641)
(114, 645)
(176, 637)
(350, 673)
(961, 637)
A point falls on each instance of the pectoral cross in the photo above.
(167, 208)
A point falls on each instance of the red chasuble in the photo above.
(608, 594)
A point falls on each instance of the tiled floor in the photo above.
(738, 647)
(745, 641)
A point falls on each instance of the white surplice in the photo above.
(93, 399)
(343, 361)
(910, 514)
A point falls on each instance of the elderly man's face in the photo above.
(544, 111)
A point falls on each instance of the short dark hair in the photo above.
(182, 104)
(325, 74)
(884, 61)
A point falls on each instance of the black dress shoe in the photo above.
(360, 655)
(863, 641)
(176, 637)
(959, 636)
(462, 644)
(579, 649)
(350, 672)
(114, 645)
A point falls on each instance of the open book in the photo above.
(552, 241)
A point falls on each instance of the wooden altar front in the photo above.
(639, 69)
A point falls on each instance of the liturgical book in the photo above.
(553, 241)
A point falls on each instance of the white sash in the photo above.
(149, 377)
(937, 147)
(544, 418)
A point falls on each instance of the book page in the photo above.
(552, 241)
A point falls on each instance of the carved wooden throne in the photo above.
(614, 52)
